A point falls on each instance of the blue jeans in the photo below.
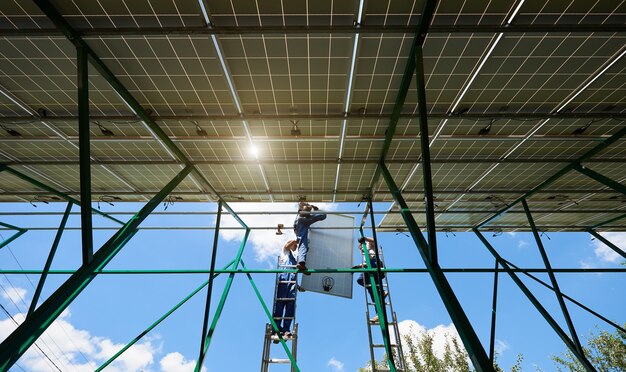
(285, 308)
(360, 281)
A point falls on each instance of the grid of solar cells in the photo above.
(179, 75)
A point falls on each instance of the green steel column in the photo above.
(220, 305)
(19, 233)
(568, 342)
(494, 304)
(49, 189)
(555, 284)
(27, 333)
(84, 153)
(207, 308)
(158, 321)
(601, 178)
(294, 365)
(381, 309)
(476, 352)
(608, 243)
(46, 268)
(425, 147)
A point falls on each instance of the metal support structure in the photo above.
(589, 154)
(568, 342)
(207, 308)
(49, 189)
(220, 306)
(555, 283)
(7, 241)
(84, 153)
(158, 321)
(474, 348)
(607, 242)
(292, 359)
(425, 148)
(601, 178)
(494, 304)
(27, 333)
(46, 268)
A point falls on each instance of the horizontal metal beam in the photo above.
(126, 119)
(302, 30)
(474, 270)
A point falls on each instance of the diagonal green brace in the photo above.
(158, 321)
(601, 178)
(542, 310)
(220, 305)
(11, 238)
(294, 365)
(46, 268)
(555, 283)
(476, 352)
(27, 333)
(607, 242)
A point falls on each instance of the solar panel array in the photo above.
(276, 75)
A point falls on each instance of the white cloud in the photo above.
(176, 362)
(522, 243)
(606, 254)
(76, 349)
(335, 364)
(14, 294)
(439, 333)
(500, 346)
(266, 243)
(512, 233)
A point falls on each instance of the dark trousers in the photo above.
(361, 281)
(284, 308)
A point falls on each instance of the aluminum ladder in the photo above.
(267, 360)
(394, 332)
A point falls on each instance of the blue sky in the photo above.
(333, 333)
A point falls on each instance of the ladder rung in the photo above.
(280, 361)
(285, 299)
(286, 281)
(383, 345)
(285, 317)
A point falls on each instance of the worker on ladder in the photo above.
(301, 226)
(285, 304)
(364, 279)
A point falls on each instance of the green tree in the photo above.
(606, 351)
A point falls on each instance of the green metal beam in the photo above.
(494, 304)
(589, 154)
(19, 233)
(407, 76)
(46, 268)
(617, 218)
(607, 242)
(555, 283)
(158, 321)
(25, 335)
(601, 178)
(53, 14)
(568, 342)
(84, 153)
(220, 305)
(294, 365)
(49, 189)
(381, 309)
(515, 268)
(207, 307)
(472, 344)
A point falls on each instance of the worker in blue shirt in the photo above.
(301, 226)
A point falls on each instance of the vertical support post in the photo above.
(207, 308)
(294, 365)
(82, 83)
(607, 242)
(542, 310)
(27, 333)
(153, 325)
(555, 284)
(19, 233)
(476, 352)
(494, 304)
(46, 268)
(425, 147)
(381, 309)
(220, 305)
